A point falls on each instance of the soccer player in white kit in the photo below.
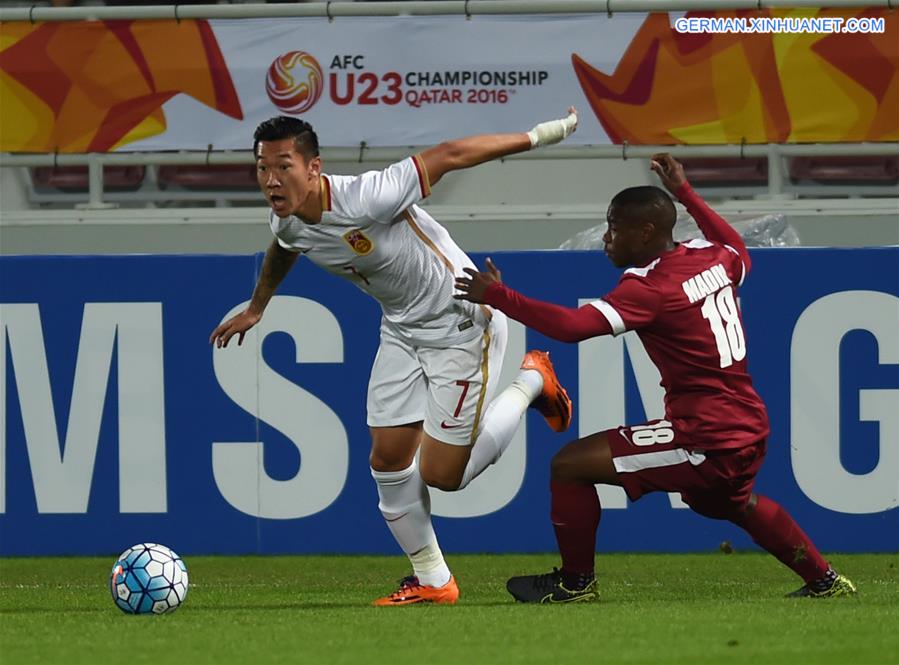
(435, 372)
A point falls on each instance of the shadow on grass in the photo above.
(54, 610)
(341, 606)
(309, 607)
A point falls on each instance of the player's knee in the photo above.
(388, 460)
(393, 448)
(561, 467)
(441, 479)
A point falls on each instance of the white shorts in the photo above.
(449, 389)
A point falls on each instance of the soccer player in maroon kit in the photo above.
(681, 300)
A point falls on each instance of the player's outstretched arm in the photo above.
(712, 225)
(275, 266)
(473, 150)
(565, 324)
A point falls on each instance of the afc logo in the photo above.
(294, 82)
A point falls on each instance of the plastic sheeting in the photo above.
(772, 230)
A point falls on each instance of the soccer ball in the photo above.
(148, 578)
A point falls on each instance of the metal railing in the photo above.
(774, 153)
(467, 8)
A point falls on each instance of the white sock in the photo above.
(406, 507)
(530, 383)
(500, 422)
(429, 565)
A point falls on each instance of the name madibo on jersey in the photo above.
(372, 233)
(683, 305)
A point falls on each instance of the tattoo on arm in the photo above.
(275, 266)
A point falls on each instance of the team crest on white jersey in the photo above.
(360, 243)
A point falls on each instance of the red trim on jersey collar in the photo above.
(326, 193)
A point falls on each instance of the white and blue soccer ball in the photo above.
(148, 579)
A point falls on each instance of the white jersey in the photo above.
(372, 233)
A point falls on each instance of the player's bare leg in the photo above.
(394, 448)
(586, 461)
(452, 467)
(576, 511)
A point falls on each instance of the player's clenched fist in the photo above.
(671, 171)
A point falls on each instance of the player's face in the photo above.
(624, 239)
(285, 177)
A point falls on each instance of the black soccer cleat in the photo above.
(838, 586)
(549, 589)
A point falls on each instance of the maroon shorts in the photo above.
(652, 457)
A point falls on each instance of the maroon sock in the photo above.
(772, 527)
(575, 515)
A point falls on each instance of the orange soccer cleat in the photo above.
(412, 591)
(553, 403)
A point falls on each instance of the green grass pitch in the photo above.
(655, 608)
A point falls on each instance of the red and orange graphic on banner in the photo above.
(758, 88)
(95, 86)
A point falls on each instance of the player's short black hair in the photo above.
(646, 203)
(286, 127)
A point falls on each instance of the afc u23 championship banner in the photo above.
(119, 423)
(803, 75)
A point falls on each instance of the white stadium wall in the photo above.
(521, 204)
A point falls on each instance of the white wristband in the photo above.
(552, 131)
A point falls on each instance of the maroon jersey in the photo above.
(683, 305)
